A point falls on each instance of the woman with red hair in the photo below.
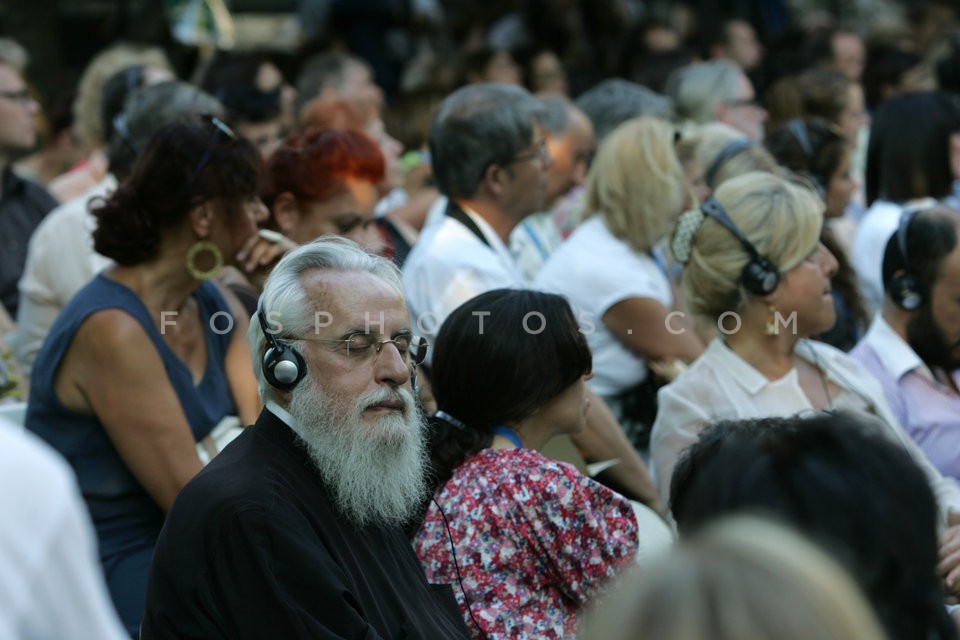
(326, 181)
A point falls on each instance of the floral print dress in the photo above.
(535, 540)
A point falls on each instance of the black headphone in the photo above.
(759, 276)
(732, 149)
(904, 290)
(283, 366)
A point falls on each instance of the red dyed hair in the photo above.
(316, 164)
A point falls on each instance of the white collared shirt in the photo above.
(720, 385)
(450, 265)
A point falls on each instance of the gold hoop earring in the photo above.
(772, 328)
(204, 245)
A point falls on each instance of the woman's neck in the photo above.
(773, 356)
(162, 283)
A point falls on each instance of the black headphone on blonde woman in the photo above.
(283, 366)
(759, 276)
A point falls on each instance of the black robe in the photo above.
(254, 548)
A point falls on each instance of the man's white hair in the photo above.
(288, 306)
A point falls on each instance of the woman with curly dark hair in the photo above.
(149, 357)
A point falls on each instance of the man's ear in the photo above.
(495, 179)
(286, 211)
(955, 155)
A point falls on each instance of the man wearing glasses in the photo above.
(295, 529)
(23, 203)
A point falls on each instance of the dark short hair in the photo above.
(477, 126)
(506, 372)
(931, 237)
(844, 483)
(232, 78)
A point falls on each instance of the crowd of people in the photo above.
(494, 354)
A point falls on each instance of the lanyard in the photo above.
(509, 434)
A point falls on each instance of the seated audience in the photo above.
(61, 258)
(295, 530)
(814, 151)
(520, 567)
(755, 266)
(23, 203)
(569, 137)
(254, 93)
(913, 345)
(149, 357)
(717, 91)
(609, 272)
(907, 167)
(491, 160)
(841, 480)
(51, 581)
(326, 181)
(740, 578)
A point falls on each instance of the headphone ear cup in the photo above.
(905, 293)
(760, 277)
(283, 367)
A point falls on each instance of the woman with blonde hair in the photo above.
(755, 267)
(715, 152)
(612, 275)
(741, 579)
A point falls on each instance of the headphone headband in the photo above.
(732, 149)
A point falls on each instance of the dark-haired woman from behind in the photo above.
(525, 541)
(149, 357)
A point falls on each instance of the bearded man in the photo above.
(913, 345)
(295, 529)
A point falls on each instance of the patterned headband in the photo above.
(683, 233)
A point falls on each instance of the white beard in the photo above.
(374, 471)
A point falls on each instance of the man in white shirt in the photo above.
(913, 345)
(490, 159)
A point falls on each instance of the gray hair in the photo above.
(612, 102)
(322, 70)
(697, 89)
(13, 54)
(146, 110)
(287, 305)
(555, 117)
(475, 127)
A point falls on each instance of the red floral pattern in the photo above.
(535, 539)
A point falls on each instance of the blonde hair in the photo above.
(742, 579)
(636, 182)
(781, 219)
(710, 140)
(88, 105)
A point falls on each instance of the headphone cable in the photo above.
(456, 566)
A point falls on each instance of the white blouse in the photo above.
(720, 385)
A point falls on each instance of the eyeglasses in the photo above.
(542, 154)
(21, 97)
(220, 128)
(364, 345)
